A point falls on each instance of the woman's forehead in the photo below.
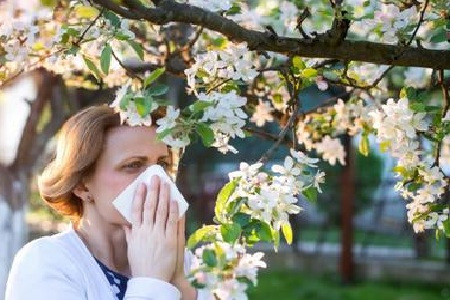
(127, 141)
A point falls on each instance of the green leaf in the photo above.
(220, 255)
(113, 18)
(105, 59)
(206, 133)
(165, 133)
(73, 50)
(364, 145)
(219, 42)
(276, 240)
(384, 146)
(310, 193)
(400, 169)
(433, 109)
(69, 32)
(86, 12)
(265, 232)
(143, 105)
(309, 72)
(298, 63)
(411, 93)
(222, 199)
(202, 73)
(231, 86)
(49, 3)
(137, 48)
(90, 64)
(153, 76)
(417, 107)
(209, 257)
(157, 90)
(241, 218)
(287, 232)
(199, 106)
(440, 36)
(235, 9)
(413, 186)
(124, 101)
(121, 36)
(230, 232)
(446, 225)
(205, 234)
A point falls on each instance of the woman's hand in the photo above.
(188, 292)
(152, 242)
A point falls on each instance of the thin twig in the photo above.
(130, 72)
(218, 85)
(445, 108)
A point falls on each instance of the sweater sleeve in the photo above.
(145, 288)
(39, 272)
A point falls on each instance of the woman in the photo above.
(102, 256)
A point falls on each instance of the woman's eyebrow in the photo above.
(164, 156)
(144, 158)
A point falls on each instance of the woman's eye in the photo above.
(164, 164)
(133, 165)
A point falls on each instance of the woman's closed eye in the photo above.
(134, 165)
(164, 164)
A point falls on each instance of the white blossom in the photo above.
(331, 150)
(262, 114)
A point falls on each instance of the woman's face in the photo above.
(127, 152)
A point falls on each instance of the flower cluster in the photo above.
(254, 206)
(272, 197)
(229, 269)
(24, 37)
(320, 131)
(126, 104)
(234, 62)
(262, 114)
(392, 22)
(225, 117)
(216, 117)
(397, 127)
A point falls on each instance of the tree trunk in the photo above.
(13, 229)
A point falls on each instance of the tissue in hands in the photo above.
(124, 202)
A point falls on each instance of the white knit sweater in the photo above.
(60, 266)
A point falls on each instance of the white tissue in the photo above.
(124, 202)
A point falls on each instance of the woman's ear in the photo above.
(82, 192)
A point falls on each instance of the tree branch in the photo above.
(171, 11)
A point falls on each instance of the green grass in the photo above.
(333, 235)
(291, 285)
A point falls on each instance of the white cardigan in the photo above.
(60, 266)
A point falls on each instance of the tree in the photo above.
(242, 58)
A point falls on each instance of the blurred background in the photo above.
(352, 243)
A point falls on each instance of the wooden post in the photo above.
(347, 208)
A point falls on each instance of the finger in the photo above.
(181, 231)
(181, 242)
(136, 211)
(151, 201)
(171, 226)
(163, 206)
(127, 231)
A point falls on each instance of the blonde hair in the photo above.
(80, 143)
